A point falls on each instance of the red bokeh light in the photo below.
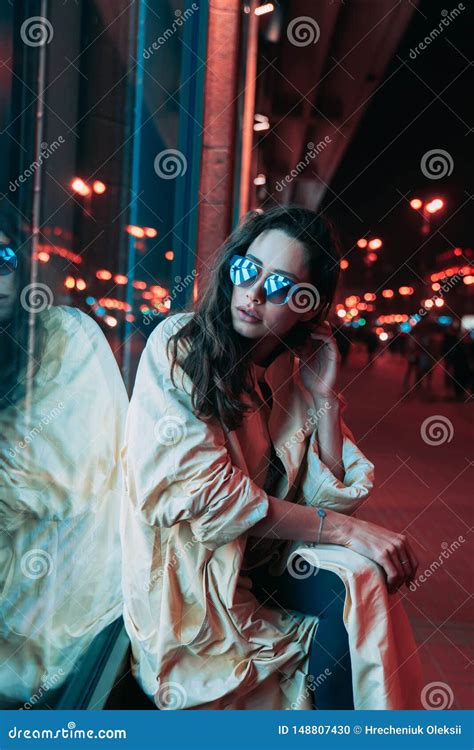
(99, 187)
(79, 186)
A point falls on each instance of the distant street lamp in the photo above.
(98, 187)
(86, 191)
(375, 244)
(79, 186)
(371, 257)
(435, 205)
(427, 210)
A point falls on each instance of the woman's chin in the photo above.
(248, 330)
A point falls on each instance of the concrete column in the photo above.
(220, 91)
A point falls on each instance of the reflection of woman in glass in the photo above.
(62, 412)
(242, 479)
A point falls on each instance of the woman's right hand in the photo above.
(390, 550)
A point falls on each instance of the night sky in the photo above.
(426, 104)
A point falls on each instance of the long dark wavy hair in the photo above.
(217, 358)
(14, 333)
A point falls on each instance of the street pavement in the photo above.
(422, 448)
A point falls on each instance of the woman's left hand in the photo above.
(319, 361)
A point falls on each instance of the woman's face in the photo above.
(7, 290)
(275, 251)
(7, 296)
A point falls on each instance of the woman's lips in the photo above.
(246, 317)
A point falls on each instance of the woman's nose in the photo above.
(256, 293)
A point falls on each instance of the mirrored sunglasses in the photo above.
(244, 272)
(8, 259)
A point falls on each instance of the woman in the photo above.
(239, 469)
(62, 412)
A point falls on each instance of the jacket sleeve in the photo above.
(176, 466)
(65, 460)
(319, 486)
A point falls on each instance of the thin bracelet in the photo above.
(322, 515)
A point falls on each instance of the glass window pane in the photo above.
(99, 123)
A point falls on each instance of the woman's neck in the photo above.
(266, 351)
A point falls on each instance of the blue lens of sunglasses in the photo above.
(243, 272)
(277, 288)
(8, 260)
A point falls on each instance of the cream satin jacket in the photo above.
(200, 639)
(60, 491)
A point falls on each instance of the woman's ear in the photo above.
(312, 319)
